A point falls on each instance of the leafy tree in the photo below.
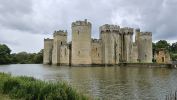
(4, 54)
(162, 44)
(174, 47)
(38, 58)
(28, 58)
(21, 57)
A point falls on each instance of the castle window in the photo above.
(98, 55)
(61, 43)
(163, 59)
(78, 52)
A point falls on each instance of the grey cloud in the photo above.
(45, 16)
(15, 14)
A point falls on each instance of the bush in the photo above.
(29, 88)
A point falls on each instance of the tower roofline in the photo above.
(146, 33)
(81, 23)
(60, 33)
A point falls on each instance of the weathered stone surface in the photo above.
(48, 45)
(60, 38)
(64, 54)
(81, 42)
(144, 43)
(114, 46)
(96, 51)
(162, 56)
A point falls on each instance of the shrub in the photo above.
(29, 88)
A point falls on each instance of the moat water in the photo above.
(106, 83)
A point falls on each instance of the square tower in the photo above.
(81, 43)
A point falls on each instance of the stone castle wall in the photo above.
(109, 35)
(134, 55)
(162, 56)
(81, 43)
(64, 55)
(48, 45)
(114, 46)
(126, 44)
(96, 51)
(145, 47)
(60, 38)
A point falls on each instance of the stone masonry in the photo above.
(114, 46)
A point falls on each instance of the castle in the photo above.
(114, 46)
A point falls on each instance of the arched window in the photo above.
(61, 43)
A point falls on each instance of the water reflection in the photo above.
(130, 83)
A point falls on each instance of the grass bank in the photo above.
(29, 88)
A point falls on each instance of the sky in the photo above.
(25, 23)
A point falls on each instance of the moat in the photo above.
(125, 83)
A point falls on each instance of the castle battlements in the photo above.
(145, 33)
(127, 30)
(114, 46)
(47, 39)
(109, 28)
(96, 40)
(60, 32)
(81, 23)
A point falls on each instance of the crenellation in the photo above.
(145, 33)
(109, 28)
(127, 31)
(60, 33)
(81, 23)
(47, 39)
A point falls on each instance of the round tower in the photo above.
(126, 44)
(145, 47)
(110, 37)
(81, 43)
(59, 38)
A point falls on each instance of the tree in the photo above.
(162, 44)
(38, 57)
(4, 54)
(174, 47)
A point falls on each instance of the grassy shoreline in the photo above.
(29, 88)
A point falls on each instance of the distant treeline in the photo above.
(19, 58)
(171, 48)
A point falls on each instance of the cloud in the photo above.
(36, 19)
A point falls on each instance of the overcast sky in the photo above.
(25, 23)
